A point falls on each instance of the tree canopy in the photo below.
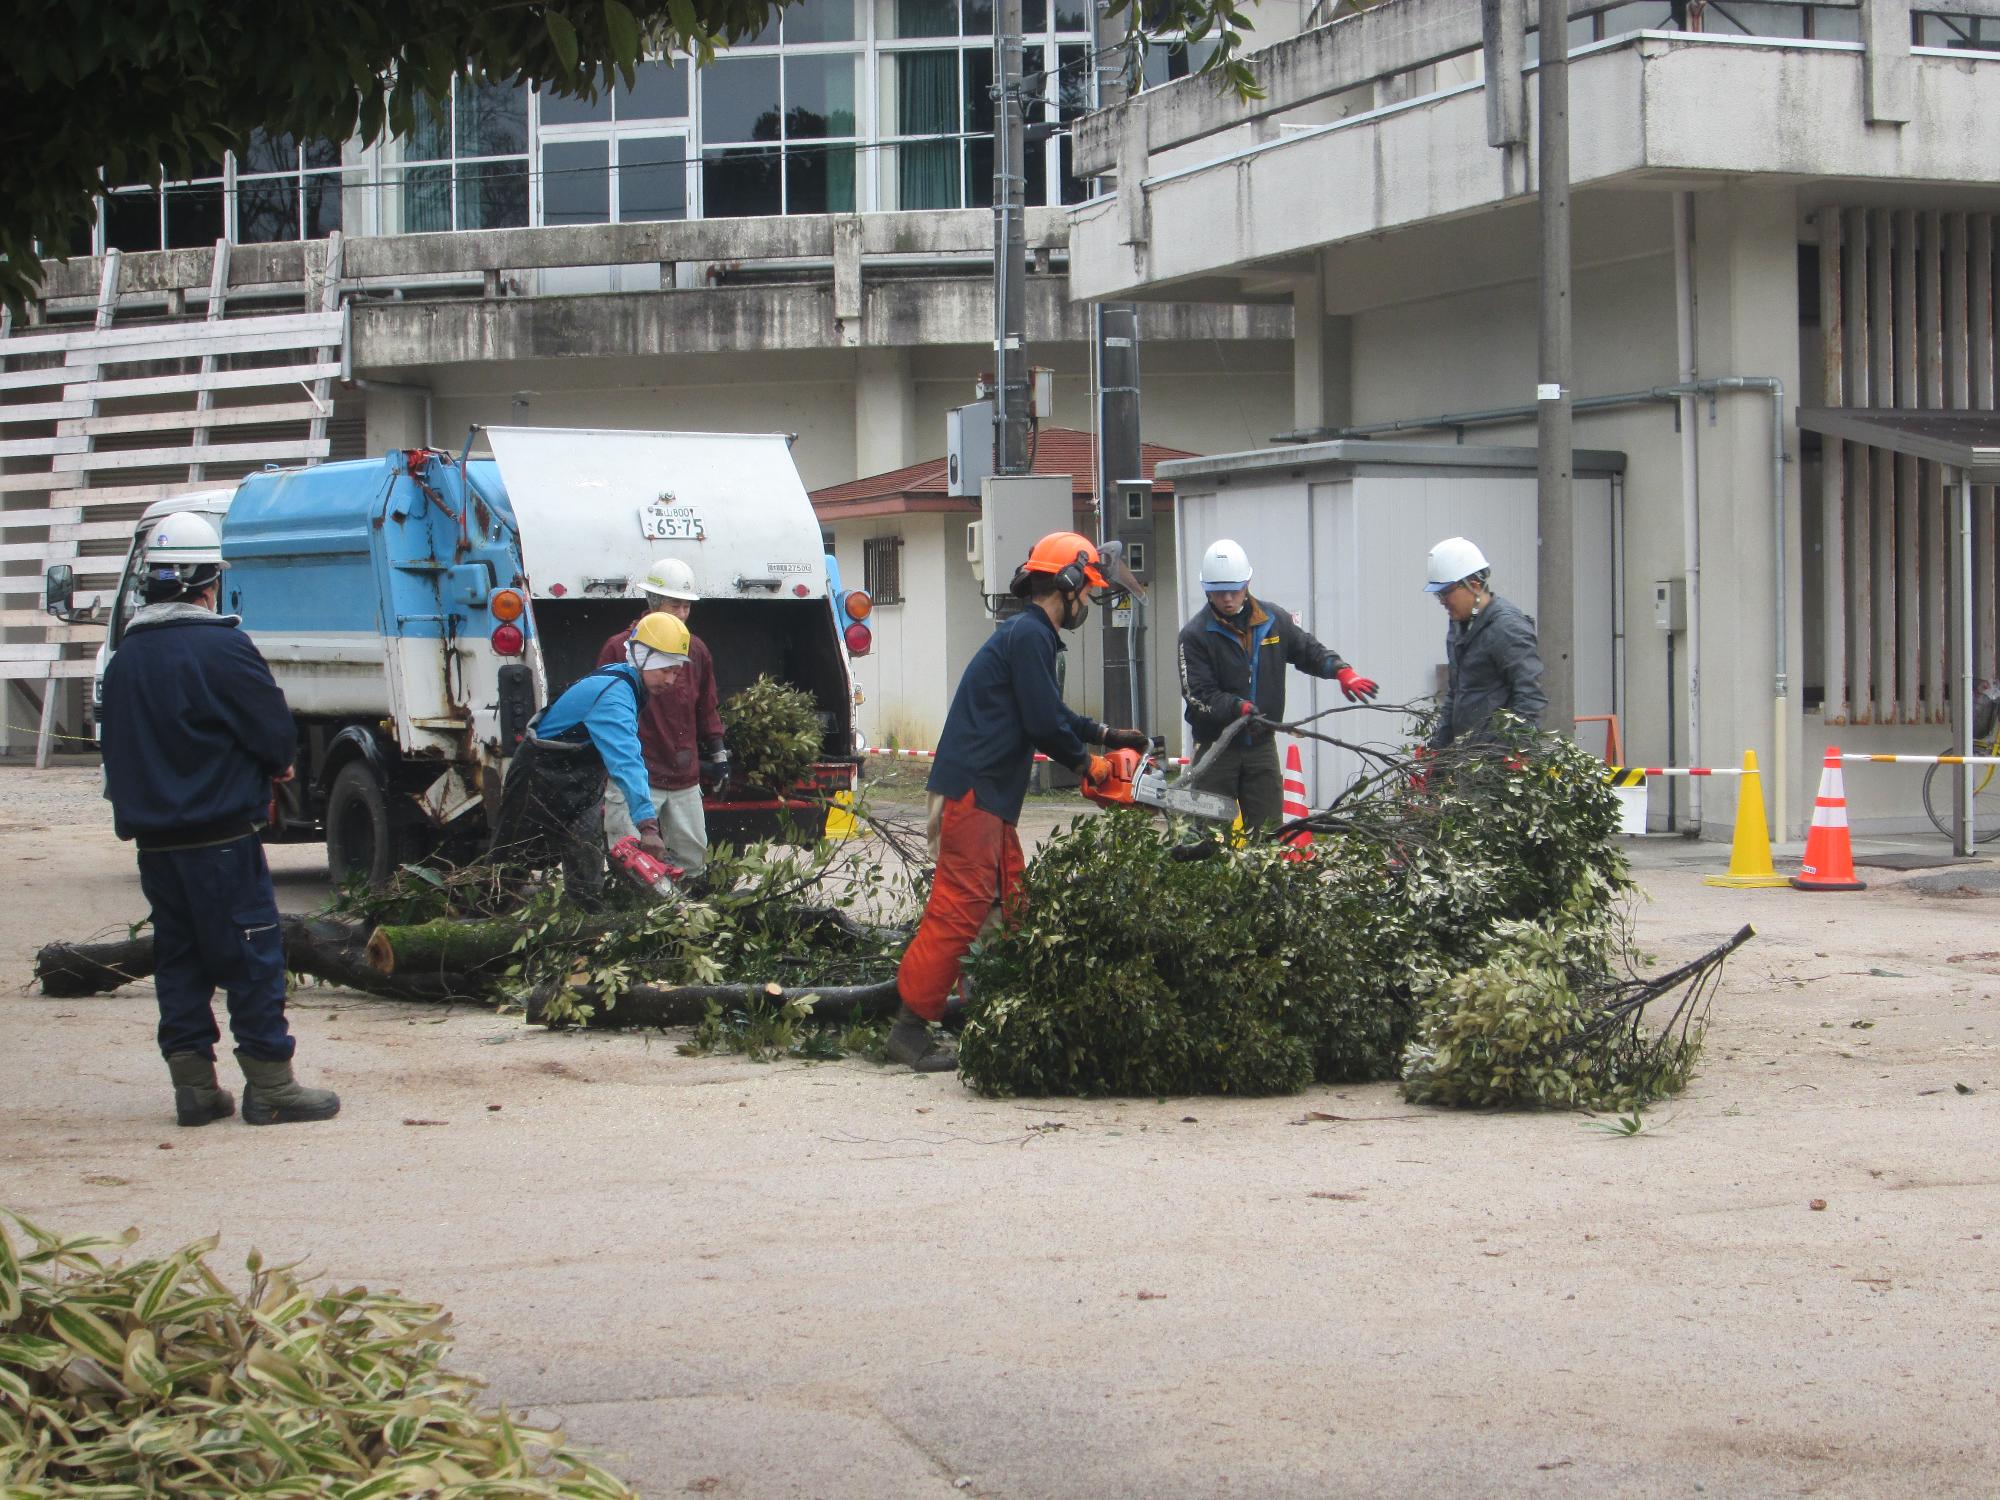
(104, 92)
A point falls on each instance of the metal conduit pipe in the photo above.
(1686, 371)
(1651, 395)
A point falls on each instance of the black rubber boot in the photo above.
(198, 1097)
(271, 1096)
(914, 1044)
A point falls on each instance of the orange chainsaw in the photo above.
(1140, 780)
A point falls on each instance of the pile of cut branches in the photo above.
(774, 735)
(1473, 893)
(154, 1378)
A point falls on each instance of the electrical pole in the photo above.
(1115, 340)
(1555, 573)
(1010, 247)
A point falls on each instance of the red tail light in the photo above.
(859, 639)
(506, 640)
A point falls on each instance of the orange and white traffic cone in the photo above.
(1829, 861)
(1295, 803)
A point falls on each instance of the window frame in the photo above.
(873, 550)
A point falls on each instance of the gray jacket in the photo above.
(1494, 664)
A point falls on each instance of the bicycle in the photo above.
(1941, 782)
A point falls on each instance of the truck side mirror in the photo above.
(59, 592)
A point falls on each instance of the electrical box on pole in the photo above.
(1015, 512)
(968, 446)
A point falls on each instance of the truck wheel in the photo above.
(362, 834)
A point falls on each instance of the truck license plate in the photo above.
(662, 523)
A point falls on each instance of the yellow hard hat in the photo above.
(661, 640)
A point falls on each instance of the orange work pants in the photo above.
(978, 867)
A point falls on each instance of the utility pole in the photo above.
(1120, 470)
(1010, 247)
(1555, 573)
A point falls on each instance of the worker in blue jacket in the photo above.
(1008, 705)
(552, 807)
(195, 731)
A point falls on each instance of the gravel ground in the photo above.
(840, 1280)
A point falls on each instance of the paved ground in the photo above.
(845, 1281)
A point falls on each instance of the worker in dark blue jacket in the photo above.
(195, 731)
(1008, 705)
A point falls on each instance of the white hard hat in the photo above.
(183, 539)
(671, 578)
(1225, 566)
(1453, 560)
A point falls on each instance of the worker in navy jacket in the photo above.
(195, 731)
(552, 806)
(1233, 656)
(1008, 706)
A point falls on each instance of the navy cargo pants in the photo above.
(215, 924)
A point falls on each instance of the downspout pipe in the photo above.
(1684, 350)
(1651, 395)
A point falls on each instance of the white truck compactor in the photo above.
(417, 609)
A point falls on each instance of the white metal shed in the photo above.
(1338, 534)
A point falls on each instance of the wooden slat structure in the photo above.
(1907, 318)
(99, 419)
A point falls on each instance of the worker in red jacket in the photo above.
(1008, 705)
(680, 730)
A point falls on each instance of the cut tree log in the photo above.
(331, 951)
(445, 946)
(645, 1005)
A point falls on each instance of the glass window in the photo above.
(322, 204)
(820, 179)
(267, 209)
(742, 184)
(321, 154)
(652, 177)
(976, 18)
(557, 110)
(979, 172)
(661, 94)
(430, 135)
(576, 182)
(426, 200)
(269, 153)
(819, 95)
(978, 90)
(820, 21)
(194, 216)
(739, 99)
(907, 18)
(1034, 16)
(493, 195)
(1072, 15)
(492, 118)
(132, 220)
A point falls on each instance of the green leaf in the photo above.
(623, 30)
(87, 1333)
(10, 1279)
(563, 35)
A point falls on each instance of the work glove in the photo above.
(1095, 771)
(1245, 708)
(650, 840)
(715, 767)
(1125, 739)
(1359, 689)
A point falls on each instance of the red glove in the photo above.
(1359, 689)
(1246, 710)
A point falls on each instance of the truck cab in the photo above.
(417, 609)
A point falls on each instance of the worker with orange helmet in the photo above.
(1008, 705)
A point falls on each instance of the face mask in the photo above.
(1075, 612)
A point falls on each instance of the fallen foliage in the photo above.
(774, 734)
(155, 1378)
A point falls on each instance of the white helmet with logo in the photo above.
(1225, 566)
(183, 553)
(671, 578)
(1454, 560)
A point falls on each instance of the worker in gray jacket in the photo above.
(1494, 660)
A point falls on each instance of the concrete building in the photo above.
(1794, 207)
(793, 239)
(901, 535)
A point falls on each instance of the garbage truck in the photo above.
(419, 608)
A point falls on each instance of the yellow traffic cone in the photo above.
(1750, 849)
(840, 820)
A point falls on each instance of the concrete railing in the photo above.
(1402, 36)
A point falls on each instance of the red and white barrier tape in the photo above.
(1929, 760)
(1172, 760)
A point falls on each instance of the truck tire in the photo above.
(364, 835)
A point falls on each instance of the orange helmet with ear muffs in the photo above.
(1076, 563)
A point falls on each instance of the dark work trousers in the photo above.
(215, 923)
(1249, 773)
(552, 810)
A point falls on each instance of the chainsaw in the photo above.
(644, 870)
(1139, 779)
